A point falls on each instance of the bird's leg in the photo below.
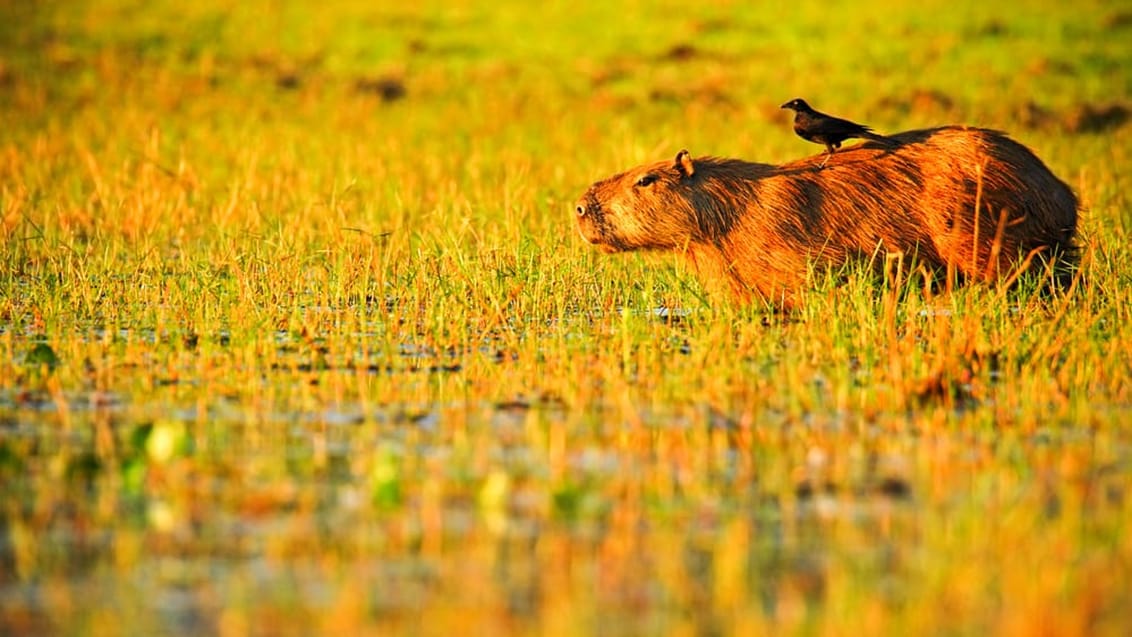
(828, 154)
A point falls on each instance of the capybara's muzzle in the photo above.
(588, 205)
(590, 218)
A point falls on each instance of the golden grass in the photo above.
(283, 351)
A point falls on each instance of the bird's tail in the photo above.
(876, 137)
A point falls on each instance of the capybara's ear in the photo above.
(684, 163)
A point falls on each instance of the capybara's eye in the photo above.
(646, 180)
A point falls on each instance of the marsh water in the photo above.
(297, 501)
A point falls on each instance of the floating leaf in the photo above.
(83, 468)
(161, 516)
(567, 501)
(385, 480)
(11, 463)
(42, 355)
(493, 497)
(133, 475)
(140, 436)
(166, 440)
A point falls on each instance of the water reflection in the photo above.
(346, 518)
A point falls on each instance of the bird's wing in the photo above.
(837, 126)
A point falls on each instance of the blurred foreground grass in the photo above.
(297, 335)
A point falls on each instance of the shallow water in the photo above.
(291, 505)
(378, 517)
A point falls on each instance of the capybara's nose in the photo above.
(581, 210)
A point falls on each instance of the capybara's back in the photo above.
(967, 198)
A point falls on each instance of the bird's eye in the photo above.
(646, 180)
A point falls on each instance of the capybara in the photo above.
(757, 228)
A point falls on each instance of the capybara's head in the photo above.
(643, 208)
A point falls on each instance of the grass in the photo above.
(297, 335)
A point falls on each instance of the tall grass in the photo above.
(297, 335)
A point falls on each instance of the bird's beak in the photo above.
(786, 105)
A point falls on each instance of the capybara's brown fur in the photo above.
(757, 228)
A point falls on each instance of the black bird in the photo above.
(825, 129)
